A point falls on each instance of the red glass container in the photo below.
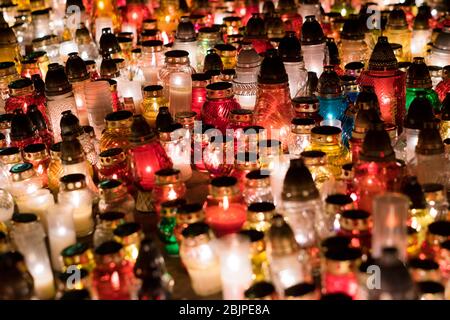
(292, 20)
(256, 33)
(225, 211)
(23, 131)
(340, 271)
(199, 83)
(219, 103)
(273, 107)
(244, 163)
(356, 225)
(112, 277)
(443, 87)
(38, 121)
(38, 156)
(114, 165)
(388, 81)
(29, 68)
(92, 69)
(135, 12)
(202, 136)
(239, 119)
(377, 170)
(147, 154)
(21, 96)
(168, 186)
(307, 108)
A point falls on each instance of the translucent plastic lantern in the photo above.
(389, 223)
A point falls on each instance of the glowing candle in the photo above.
(75, 193)
(235, 266)
(38, 202)
(61, 232)
(29, 239)
(180, 92)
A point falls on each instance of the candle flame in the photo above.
(101, 5)
(115, 281)
(114, 176)
(172, 195)
(225, 203)
(134, 16)
(148, 169)
(165, 37)
(167, 18)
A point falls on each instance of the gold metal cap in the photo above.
(112, 157)
(72, 182)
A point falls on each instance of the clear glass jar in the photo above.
(24, 181)
(245, 83)
(151, 61)
(302, 206)
(258, 255)
(74, 191)
(105, 225)
(198, 256)
(56, 104)
(257, 187)
(117, 131)
(175, 61)
(436, 199)
(114, 196)
(288, 263)
(218, 156)
(225, 211)
(300, 135)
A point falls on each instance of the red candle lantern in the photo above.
(147, 154)
(225, 211)
(114, 165)
(199, 83)
(112, 276)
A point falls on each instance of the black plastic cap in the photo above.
(272, 69)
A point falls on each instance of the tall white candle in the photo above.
(180, 92)
(235, 265)
(29, 240)
(61, 232)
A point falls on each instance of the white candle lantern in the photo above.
(65, 48)
(6, 206)
(180, 92)
(98, 104)
(29, 238)
(130, 89)
(24, 181)
(61, 232)
(235, 265)
(201, 262)
(390, 213)
(75, 193)
(38, 202)
(178, 148)
(278, 172)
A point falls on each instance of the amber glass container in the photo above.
(117, 131)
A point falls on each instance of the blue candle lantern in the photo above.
(333, 103)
